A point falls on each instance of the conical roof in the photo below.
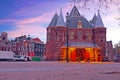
(93, 22)
(99, 22)
(54, 20)
(60, 21)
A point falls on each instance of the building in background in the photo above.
(117, 52)
(86, 40)
(5, 44)
(27, 46)
(110, 51)
(23, 46)
(38, 47)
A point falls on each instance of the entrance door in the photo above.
(80, 54)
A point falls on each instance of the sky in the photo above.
(32, 17)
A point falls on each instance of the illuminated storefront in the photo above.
(82, 52)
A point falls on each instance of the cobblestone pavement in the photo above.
(59, 71)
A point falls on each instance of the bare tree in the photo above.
(102, 5)
(99, 4)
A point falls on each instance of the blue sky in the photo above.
(31, 17)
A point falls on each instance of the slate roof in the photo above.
(74, 12)
(82, 44)
(36, 40)
(94, 20)
(99, 22)
(75, 16)
(54, 20)
(60, 21)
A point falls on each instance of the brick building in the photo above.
(5, 44)
(27, 46)
(22, 45)
(38, 47)
(86, 40)
(117, 51)
(110, 51)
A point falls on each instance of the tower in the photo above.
(55, 37)
(4, 36)
(100, 34)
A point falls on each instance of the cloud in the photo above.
(45, 18)
(35, 26)
(33, 30)
(8, 21)
(38, 7)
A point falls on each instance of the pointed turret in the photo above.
(60, 21)
(99, 22)
(94, 20)
(54, 20)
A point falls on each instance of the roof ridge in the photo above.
(54, 20)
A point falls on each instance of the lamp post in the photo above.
(94, 43)
(67, 58)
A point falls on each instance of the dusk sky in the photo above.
(31, 17)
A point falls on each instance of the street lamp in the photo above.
(67, 37)
(93, 42)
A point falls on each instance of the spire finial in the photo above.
(74, 2)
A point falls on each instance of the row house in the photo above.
(38, 47)
(20, 45)
(27, 46)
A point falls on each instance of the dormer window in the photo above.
(79, 24)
